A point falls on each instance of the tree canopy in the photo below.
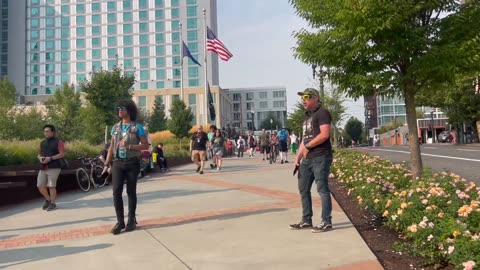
(391, 47)
(157, 120)
(180, 120)
(354, 128)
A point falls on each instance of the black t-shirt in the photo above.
(311, 128)
(200, 140)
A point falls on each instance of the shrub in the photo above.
(439, 213)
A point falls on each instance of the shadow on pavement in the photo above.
(110, 218)
(19, 256)
(216, 217)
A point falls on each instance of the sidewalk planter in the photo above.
(439, 214)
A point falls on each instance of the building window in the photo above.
(65, 21)
(160, 84)
(127, 16)
(193, 82)
(263, 104)
(49, 22)
(65, 9)
(80, 8)
(250, 96)
(236, 116)
(96, 18)
(159, 3)
(81, 66)
(34, 34)
(112, 64)
(176, 60)
(80, 54)
(111, 17)
(127, 4)
(65, 67)
(81, 43)
(48, 90)
(159, 14)
(65, 55)
(34, 80)
(128, 63)
(111, 6)
(112, 53)
(176, 49)
(80, 31)
(144, 85)
(191, 2)
(127, 28)
(278, 94)
(127, 40)
(95, 7)
(175, 13)
(236, 97)
(192, 23)
(176, 37)
(144, 75)
(144, 62)
(249, 105)
(160, 74)
(81, 20)
(175, 25)
(176, 84)
(160, 62)
(65, 32)
(159, 38)
(263, 95)
(34, 91)
(143, 27)
(176, 72)
(96, 42)
(50, 33)
(65, 78)
(191, 11)
(49, 68)
(112, 41)
(49, 56)
(50, 11)
(143, 15)
(127, 51)
(111, 29)
(193, 72)
(34, 68)
(279, 104)
(144, 39)
(34, 23)
(144, 51)
(49, 79)
(50, 45)
(236, 107)
(143, 4)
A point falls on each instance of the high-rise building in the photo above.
(3, 38)
(65, 40)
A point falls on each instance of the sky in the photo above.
(259, 33)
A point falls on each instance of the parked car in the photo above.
(445, 137)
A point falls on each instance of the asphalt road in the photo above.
(463, 160)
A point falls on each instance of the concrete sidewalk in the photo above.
(234, 219)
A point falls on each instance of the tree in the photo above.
(295, 119)
(107, 87)
(390, 47)
(158, 121)
(92, 122)
(354, 128)
(7, 100)
(333, 102)
(28, 123)
(180, 119)
(274, 123)
(63, 112)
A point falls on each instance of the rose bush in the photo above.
(439, 213)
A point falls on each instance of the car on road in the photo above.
(445, 137)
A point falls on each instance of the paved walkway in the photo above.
(234, 219)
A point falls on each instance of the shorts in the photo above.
(283, 146)
(265, 149)
(218, 151)
(48, 177)
(198, 155)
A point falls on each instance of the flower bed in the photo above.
(439, 214)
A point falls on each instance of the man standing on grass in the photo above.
(49, 154)
(314, 159)
(198, 148)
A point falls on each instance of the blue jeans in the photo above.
(316, 169)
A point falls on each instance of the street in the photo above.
(463, 160)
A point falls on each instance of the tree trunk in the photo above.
(415, 156)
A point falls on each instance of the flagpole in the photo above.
(181, 63)
(205, 64)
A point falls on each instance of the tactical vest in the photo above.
(49, 148)
(131, 138)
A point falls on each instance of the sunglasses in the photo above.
(306, 97)
(121, 108)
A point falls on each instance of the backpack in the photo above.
(282, 135)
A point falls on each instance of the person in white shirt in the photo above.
(240, 146)
(293, 143)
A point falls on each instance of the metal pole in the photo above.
(205, 65)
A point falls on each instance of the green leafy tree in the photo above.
(107, 87)
(7, 100)
(273, 125)
(158, 121)
(354, 128)
(295, 119)
(180, 119)
(333, 102)
(63, 112)
(28, 123)
(390, 47)
(93, 124)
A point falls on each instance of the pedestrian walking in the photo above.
(314, 159)
(293, 143)
(283, 145)
(240, 146)
(51, 151)
(198, 148)
(264, 144)
(128, 141)
(218, 145)
(252, 144)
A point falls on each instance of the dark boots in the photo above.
(117, 229)
(132, 222)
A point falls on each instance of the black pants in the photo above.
(162, 163)
(125, 170)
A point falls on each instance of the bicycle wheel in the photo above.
(97, 176)
(83, 179)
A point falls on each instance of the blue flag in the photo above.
(186, 52)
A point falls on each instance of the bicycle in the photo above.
(273, 153)
(90, 174)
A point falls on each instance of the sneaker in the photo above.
(131, 225)
(51, 207)
(201, 172)
(301, 225)
(117, 229)
(286, 161)
(198, 169)
(323, 227)
(218, 168)
(46, 204)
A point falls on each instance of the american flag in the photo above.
(215, 45)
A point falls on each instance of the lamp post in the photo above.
(321, 76)
(271, 125)
(253, 120)
(433, 129)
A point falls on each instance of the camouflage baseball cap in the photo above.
(309, 91)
